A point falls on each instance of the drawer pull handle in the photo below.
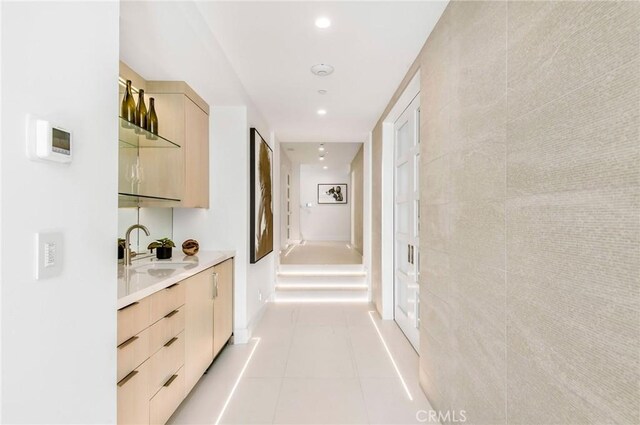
(127, 342)
(171, 341)
(171, 286)
(173, 377)
(126, 378)
(173, 313)
(130, 305)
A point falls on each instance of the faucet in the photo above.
(127, 249)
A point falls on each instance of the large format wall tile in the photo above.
(477, 232)
(435, 174)
(434, 227)
(586, 140)
(558, 46)
(478, 173)
(573, 297)
(435, 68)
(435, 275)
(435, 135)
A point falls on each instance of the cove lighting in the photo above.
(235, 386)
(323, 22)
(393, 362)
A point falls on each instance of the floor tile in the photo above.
(320, 352)
(321, 401)
(253, 402)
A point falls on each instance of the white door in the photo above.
(406, 219)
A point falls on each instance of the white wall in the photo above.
(171, 41)
(59, 61)
(323, 222)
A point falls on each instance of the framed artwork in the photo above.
(261, 232)
(333, 193)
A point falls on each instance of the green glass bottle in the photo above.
(141, 110)
(128, 109)
(152, 120)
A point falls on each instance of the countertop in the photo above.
(148, 276)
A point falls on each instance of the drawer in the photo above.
(133, 401)
(166, 328)
(166, 300)
(132, 352)
(132, 319)
(167, 400)
(165, 362)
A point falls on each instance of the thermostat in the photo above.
(47, 141)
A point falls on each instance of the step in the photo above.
(307, 296)
(321, 287)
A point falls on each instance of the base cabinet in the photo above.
(222, 305)
(198, 326)
(167, 342)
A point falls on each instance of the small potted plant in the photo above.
(120, 248)
(163, 248)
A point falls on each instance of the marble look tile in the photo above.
(321, 401)
(254, 402)
(434, 273)
(435, 67)
(478, 173)
(370, 357)
(435, 317)
(555, 47)
(573, 297)
(586, 140)
(434, 226)
(320, 352)
(435, 138)
(388, 403)
(435, 178)
(436, 365)
(478, 232)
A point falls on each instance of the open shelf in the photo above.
(133, 200)
(133, 136)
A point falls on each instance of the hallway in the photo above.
(312, 364)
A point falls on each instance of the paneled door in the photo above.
(406, 221)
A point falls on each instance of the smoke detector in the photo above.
(321, 69)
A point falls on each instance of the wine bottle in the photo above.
(141, 110)
(152, 119)
(128, 109)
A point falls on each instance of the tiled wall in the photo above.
(530, 201)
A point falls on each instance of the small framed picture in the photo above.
(333, 193)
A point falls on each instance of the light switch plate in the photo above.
(49, 255)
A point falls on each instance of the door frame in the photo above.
(388, 162)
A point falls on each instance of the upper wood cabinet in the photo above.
(183, 118)
(161, 175)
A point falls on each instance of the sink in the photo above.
(161, 266)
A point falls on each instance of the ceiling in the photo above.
(335, 154)
(272, 46)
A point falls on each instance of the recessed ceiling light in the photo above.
(322, 158)
(325, 167)
(322, 69)
(322, 112)
(322, 91)
(321, 148)
(323, 22)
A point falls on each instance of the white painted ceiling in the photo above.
(335, 154)
(272, 46)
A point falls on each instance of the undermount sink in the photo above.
(162, 269)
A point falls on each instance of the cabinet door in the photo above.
(223, 306)
(196, 155)
(198, 326)
(133, 398)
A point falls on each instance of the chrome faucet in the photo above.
(127, 249)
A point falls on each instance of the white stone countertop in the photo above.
(149, 275)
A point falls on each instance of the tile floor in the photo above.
(311, 364)
(321, 252)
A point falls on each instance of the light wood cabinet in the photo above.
(184, 119)
(168, 340)
(222, 305)
(156, 169)
(133, 399)
(198, 326)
